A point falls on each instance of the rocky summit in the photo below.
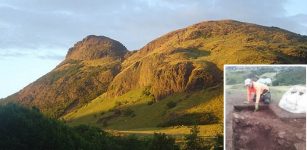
(96, 47)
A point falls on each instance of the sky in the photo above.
(35, 35)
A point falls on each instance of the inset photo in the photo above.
(265, 107)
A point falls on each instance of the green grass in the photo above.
(271, 75)
(103, 104)
(146, 116)
(276, 91)
(236, 77)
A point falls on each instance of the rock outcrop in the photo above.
(96, 47)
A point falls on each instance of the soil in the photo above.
(262, 130)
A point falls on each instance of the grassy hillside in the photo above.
(172, 81)
(144, 112)
(279, 75)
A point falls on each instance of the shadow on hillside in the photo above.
(129, 117)
(191, 52)
(286, 59)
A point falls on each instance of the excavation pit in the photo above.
(264, 130)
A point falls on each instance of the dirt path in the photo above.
(205, 130)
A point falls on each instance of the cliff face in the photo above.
(185, 60)
(192, 58)
(166, 77)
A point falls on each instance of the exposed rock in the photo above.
(165, 78)
(95, 47)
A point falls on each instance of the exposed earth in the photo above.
(264, 130)
(267, 129)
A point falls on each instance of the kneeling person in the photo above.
(257, 92)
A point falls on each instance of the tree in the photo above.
(193, 141)
(162, 142)
(23, 128)
(218, 142)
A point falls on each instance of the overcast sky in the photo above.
(36, 34)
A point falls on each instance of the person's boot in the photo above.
(267, 101)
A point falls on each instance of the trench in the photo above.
(263, 130)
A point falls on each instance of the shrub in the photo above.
(263, 70)
(218, 142)
(193, 141)
(160, 141)
(146, 91)
(190, 119)
(150, 102)
(105, 123)
(117, 112)
(128, 113)
(171, 104)
(23, 128)
(118, 103)
(152, 98)
(291, 76)
(130, 142)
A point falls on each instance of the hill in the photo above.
(171, 79)
(86, 72)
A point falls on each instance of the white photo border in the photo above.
(252, 65)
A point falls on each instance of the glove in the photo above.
(256, 107)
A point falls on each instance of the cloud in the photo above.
(51, 57)
(58, 24)
(17, 53)
(37, 34)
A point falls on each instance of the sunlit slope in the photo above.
(171, 79)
